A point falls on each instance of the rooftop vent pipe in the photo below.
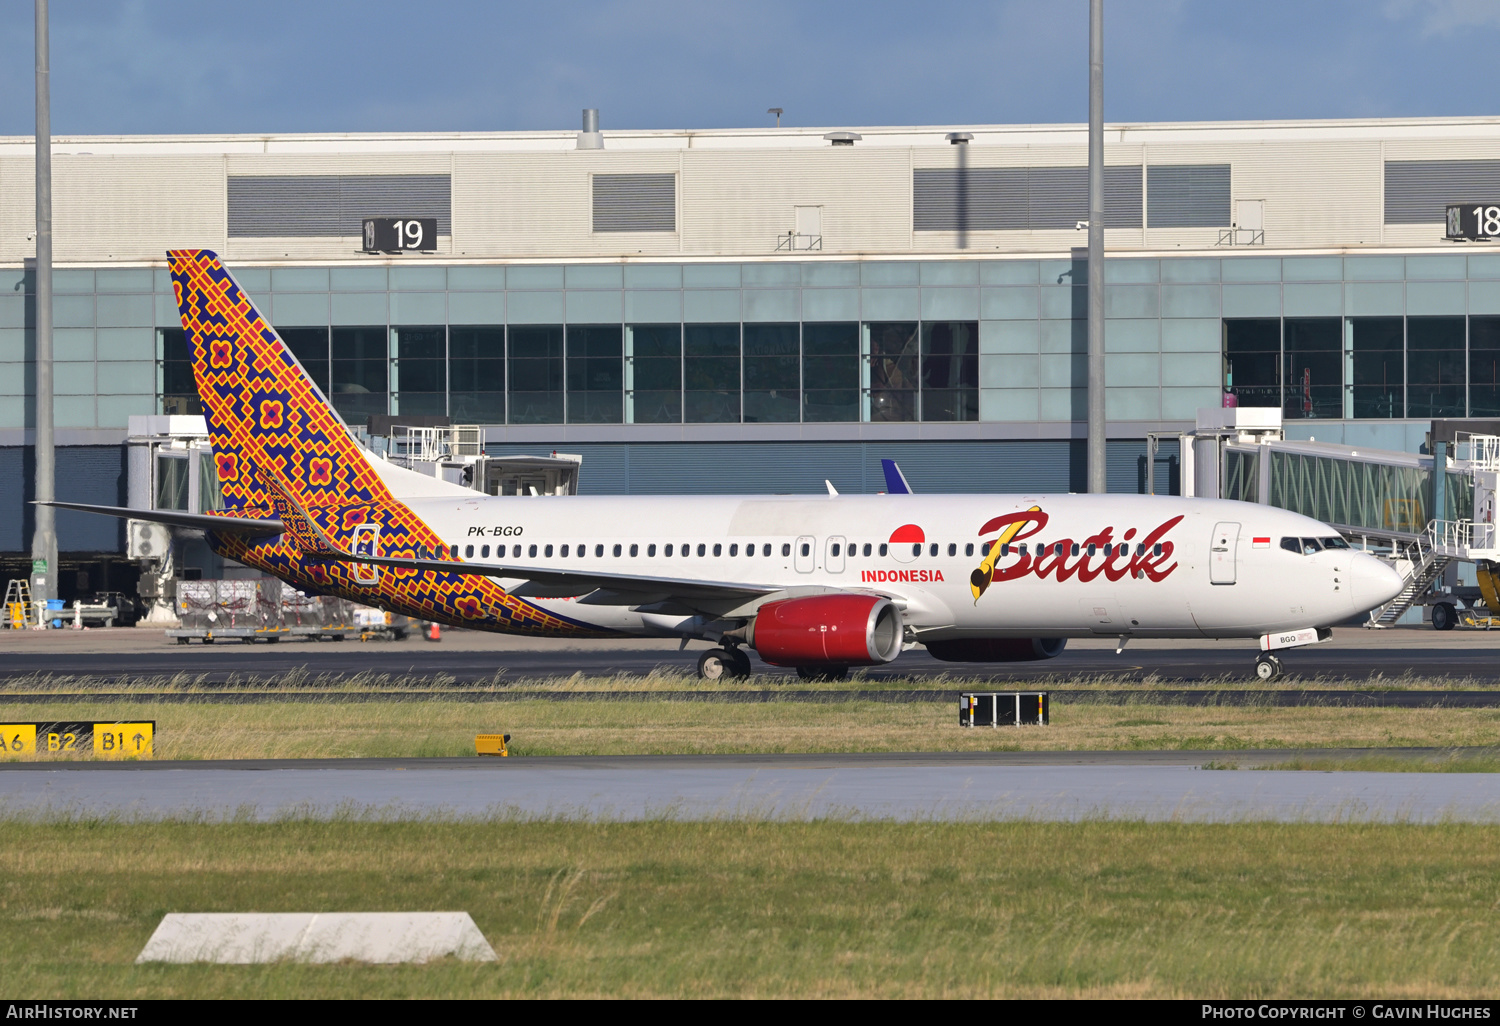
(590, 138)
(843, 138)
(955, 138)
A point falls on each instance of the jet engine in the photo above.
(827, 630)
(996, 650)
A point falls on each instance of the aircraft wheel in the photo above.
(716, 664)
(741, 659)
(823, 674)
(1267, 668)
(1444, 616)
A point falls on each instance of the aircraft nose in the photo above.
(1374, 582)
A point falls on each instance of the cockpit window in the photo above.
(1292, 545)
(1310, 547)
(1334, 543)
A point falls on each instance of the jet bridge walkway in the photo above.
(1421, 512)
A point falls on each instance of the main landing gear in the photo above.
(726, 663)
(1267, 667)
(823, 674)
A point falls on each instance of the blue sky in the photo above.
(148, 66)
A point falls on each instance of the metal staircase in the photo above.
(1426, 564)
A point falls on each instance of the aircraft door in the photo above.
(805, 554)
(833, 561)
(366, 543)
(1221, 554)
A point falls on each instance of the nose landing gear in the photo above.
(1267, 667)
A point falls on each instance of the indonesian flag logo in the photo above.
(906, 543)
(1260, 543)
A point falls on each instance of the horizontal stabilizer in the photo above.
(201, 521)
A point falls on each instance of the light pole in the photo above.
(44, 539)
(1096, 454)
(778, 112)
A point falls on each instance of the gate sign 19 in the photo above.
(1474, 221)
(394, 234)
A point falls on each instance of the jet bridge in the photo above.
(1421, 511)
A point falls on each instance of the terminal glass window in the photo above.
(653, 374)
(1252, 361)
(310, 347)
(596, 374)
(950, 370)
(830, 372)
(361, 372)
(172, 482)
(1314, 368)
(891, 384)
(773, 373)
(1434, 367)
(711, 373)
(535, 370)
(179, 392)
(1376, 351)
(1484, 366)
(476, 375)
(419, 382)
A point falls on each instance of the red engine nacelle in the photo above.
(996, 650)
(827, 630)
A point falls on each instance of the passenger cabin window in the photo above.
(635, 550)
(867, 548)
(484, 552)
(932, 550)
(687, 550)
(718, 550)
(969, 549)
(531, 552)
(1075, 548)
(1156, 549)
(563, 551)
(786, 549)
(667, 550)
(749, 550)
(806, 549)
(468, 552)
(617, 551)
(455, 552)
(547, 552)
(1092, 549)
(765, 550)
(952, 549)
(702, 549)
(833, 550)
(650, 551)
(515, 551)
(599, 552)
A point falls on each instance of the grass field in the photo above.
(433, 728)
(781, 909)
(673, 678)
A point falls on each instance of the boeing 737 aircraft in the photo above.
(820, 583)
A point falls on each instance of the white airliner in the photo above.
(820, 583)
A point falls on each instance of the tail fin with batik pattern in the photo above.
(265, 415)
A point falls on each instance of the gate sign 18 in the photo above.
(1473, 221)
(393, 234)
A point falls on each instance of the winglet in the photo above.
(895, 481)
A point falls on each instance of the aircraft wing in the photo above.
(638, 587)
(202, 521)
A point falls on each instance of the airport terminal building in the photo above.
(761, 310)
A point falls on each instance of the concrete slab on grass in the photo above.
(241, 938)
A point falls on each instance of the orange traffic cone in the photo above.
(434, 632)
